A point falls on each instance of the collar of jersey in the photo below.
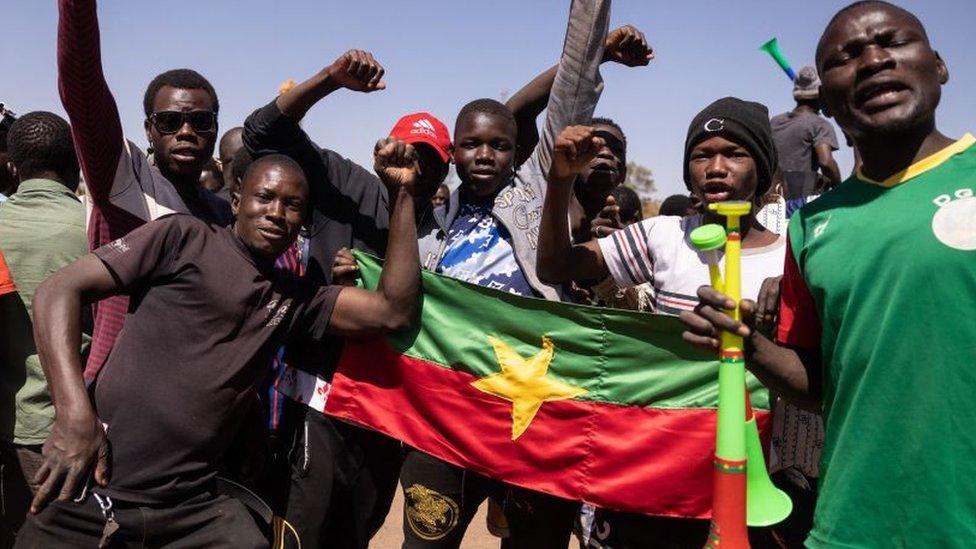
(929, 162)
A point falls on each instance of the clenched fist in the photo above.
(628, 46)
(358, 71)
(396, 164)
(575, 147)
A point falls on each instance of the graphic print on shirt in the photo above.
(954, 223)
(479, 250)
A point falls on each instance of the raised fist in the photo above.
(396, 164)
(575, 147)
(626, 45)
(358, 71)
(607, 221)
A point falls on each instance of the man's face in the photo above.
(230, 143)
(185, 152)
(441, 197)
(608, 169)
(433, 171)
(484, 152)
(879, 75)
(721, 170)
(270, 209)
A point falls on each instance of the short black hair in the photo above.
(628, 202)
(861, 4)
(277, 159)
(238, 167)
(185, 79)
(486, 106)
(601, 121)
(676, 204)
(41, 141)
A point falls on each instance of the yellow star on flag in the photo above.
(525, 383)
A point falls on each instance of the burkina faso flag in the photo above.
(598, 405)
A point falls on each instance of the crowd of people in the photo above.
(169, 339)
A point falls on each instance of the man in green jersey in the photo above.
(876, 310)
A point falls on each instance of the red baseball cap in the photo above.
(422, 127)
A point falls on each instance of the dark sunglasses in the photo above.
(172, 121)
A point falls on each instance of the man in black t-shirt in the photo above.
(207, 311)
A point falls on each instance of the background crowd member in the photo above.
(805, 141)
(678, 205)
(729, 155)
(853, 318)
(123, 188)
(42, 228)
(212, 178)
(230, 143)
(188, 278)
(8, 183)
(441, 196)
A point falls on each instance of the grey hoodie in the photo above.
(518, 205)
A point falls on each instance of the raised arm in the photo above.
(77, 438)
(274, 128)
(91, 109)
(393, 306)
(557, 259)
(577, 85)
(625, 45)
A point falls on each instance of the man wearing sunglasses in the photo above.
(125, 188)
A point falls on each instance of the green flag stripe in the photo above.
(620, 357)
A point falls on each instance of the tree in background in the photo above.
(640, 179)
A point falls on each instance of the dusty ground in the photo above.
(391, 535)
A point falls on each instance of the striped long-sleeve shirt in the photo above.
(124, 189)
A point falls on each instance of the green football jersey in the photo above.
(881, 276)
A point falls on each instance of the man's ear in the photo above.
(235, 201)
(942, 68)
(148, 127)
(12, 170)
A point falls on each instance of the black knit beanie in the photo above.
(744, 122)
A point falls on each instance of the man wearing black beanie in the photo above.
(729, 155)
(743, 122)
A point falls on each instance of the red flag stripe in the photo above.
(648, 460)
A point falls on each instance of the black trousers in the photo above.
(335, 481)
(618, 530)
(440, 500)
(204, 521)
(18, 465)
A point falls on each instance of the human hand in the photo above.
(704, 324)
(628, 46)
(396, 163)
(344, 268)
(74, 445)
(357, 70)
(767, 304)
(575, 147)
(608, 220)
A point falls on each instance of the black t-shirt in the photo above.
(203, 322)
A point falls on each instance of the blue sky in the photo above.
(440, 54)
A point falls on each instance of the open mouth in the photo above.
(717, 192)
(604, 167)
(880, 95)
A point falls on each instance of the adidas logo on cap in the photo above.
(424, 126)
